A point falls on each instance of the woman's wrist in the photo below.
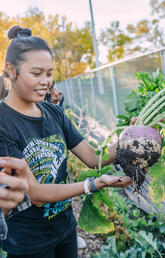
(99, 184)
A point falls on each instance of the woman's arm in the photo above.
(45, 193)
(86, 153)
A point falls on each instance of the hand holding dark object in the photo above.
(13, 188)
(56, 95)
(115, 181)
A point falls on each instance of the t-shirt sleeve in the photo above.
(72, 135)
(8, 143)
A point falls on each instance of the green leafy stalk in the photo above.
(149, 107)
(152, 111)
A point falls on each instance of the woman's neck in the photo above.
(22, 106)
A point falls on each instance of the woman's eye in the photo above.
(49, 75)
(36, 74)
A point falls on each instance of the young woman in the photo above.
(40, 133)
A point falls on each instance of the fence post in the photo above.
(93, 95)
(163, 61)
(112, 76)
(80, 90)
(68, 93)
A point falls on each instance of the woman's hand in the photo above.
(12, 188)
(17, 185)
(133, 120)
(55, 95)
(112, 181)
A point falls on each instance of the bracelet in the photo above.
(90, 181)
(94, 189)
(86, 189)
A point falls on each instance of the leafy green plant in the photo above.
(149, 85)
(147, 103)
(145, 232)
(145, 246)
(3, 254)
(108, 212)
(92, 219)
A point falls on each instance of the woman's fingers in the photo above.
(13, 182)
(19, 166)
(7, 205)
(14, 163)
(116, 181)
(133, 120)
(14, 191)
(11, 195)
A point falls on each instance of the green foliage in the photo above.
(157, 172)
(147, 234)
(149, 85)
(96, 172)
(145, 246)
(92, 220)
(3, 254)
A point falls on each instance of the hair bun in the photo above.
(17, 31)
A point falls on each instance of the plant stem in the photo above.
(153, 113)
(157, 119)
(149, 104)
(100, 160)
(149, 110)
(117, 128)
(161, 124)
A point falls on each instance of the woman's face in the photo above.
(35, 76)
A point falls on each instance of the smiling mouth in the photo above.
(41, 92)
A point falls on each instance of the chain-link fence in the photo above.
(101, 93)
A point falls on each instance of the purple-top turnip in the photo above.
(138, 148)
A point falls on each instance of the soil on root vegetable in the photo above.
(135, 161)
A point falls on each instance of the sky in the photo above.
(77, 11)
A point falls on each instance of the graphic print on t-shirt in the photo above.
(45, 157)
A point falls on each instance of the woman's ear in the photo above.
(10, 70)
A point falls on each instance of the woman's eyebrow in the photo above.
(39, 68)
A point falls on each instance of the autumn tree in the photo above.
(118, 41)
(145, 35)
(71, 46)
(5, 24)
(73, 50)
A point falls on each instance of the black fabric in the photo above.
(68, 249)
(43, 142)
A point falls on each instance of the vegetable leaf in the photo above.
(92, 220)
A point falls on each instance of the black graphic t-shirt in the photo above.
(43, 142)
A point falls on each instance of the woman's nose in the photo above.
(44, 80)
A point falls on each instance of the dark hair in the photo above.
(4, 87)
(22, 42)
